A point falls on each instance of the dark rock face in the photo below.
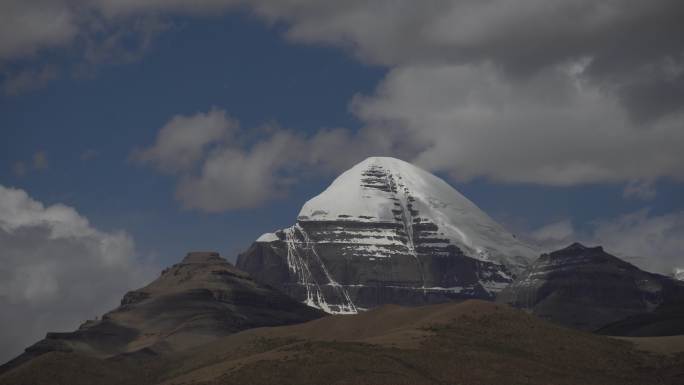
(587, 288)
(192, 302)
(341, 277)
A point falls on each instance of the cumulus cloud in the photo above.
(655, 242)
(28, 26)
(223, 167)
(181, 142)
(57, 270)
(510, 93)
(652, 242)
(235, 178)
(513, 92)
(631, 47)
(539, 91)
(551, 92)
(104, 30)
(554, 128)
(555, 234)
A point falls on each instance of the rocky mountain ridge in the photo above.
(586, 288)
(195, 301)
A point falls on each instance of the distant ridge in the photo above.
(587, 288)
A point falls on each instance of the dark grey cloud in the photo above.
(633, 48)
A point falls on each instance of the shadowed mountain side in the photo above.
(473, 342)
(667, 320)
(586, 288)
(191, 303)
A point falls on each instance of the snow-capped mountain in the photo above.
(386, 231)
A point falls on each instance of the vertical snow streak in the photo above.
(403, 195)
(299, 266)
(348, 306)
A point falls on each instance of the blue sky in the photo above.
(87, 124)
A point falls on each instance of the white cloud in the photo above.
(554, 128)
(653, 242)
(181, 142)
(222, 167)
(57, 270)
(516, 92)
(27, 26)
(235, 178)
(562, 231)
(512, 93)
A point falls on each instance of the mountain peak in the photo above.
(202, 257)
(373, 159)
(587, 288)
(386, 231)
(578, 247)
(389, 191)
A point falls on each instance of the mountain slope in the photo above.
(587, 288)
(473, 342)
(666, 320)
(191, 303)
(386, 231)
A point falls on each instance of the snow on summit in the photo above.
(372, 190)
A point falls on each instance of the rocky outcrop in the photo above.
(587, 288)
(385, 232)
(192, 302)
